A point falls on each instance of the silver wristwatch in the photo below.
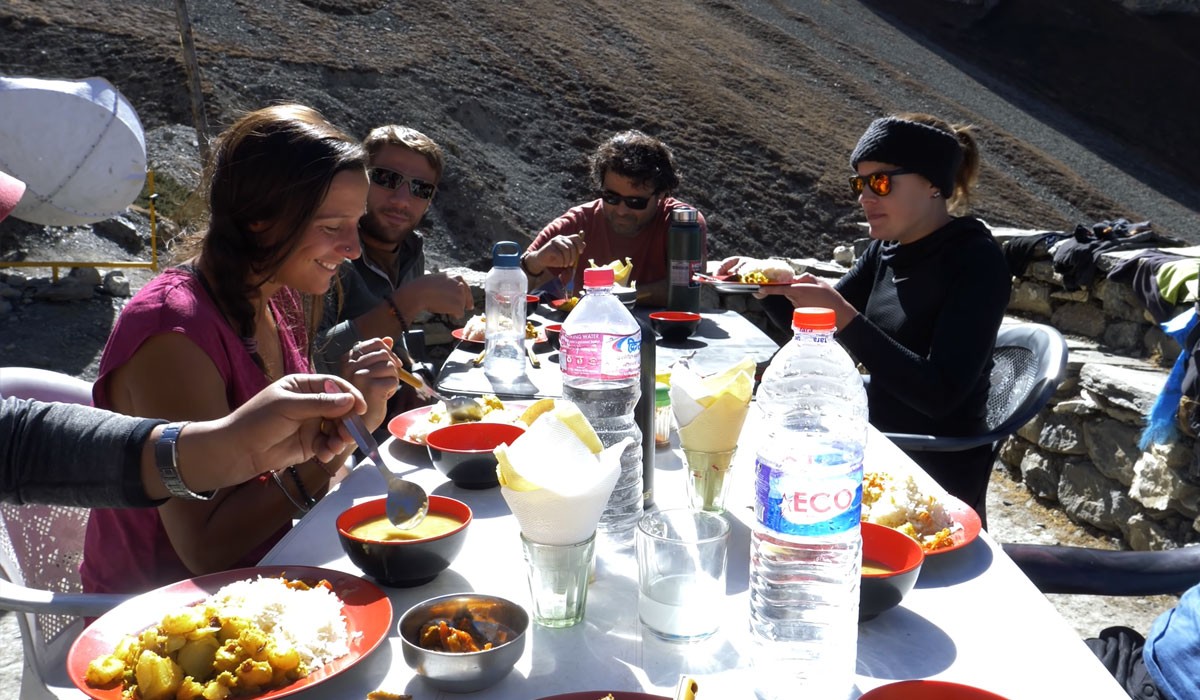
(166, 458)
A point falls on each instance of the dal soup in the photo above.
(381, 529)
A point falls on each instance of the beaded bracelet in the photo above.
(396, 312)
(309, 501)
(279, 482)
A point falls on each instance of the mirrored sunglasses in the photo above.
(392, 180)
(880, 183)
(612, 199)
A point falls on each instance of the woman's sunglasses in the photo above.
(880, 183)
(393, 180)
(612, 199)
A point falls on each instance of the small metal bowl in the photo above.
(465, 672)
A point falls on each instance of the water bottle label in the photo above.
(798, 502)
(601, 356)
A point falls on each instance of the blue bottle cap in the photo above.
(503, 259)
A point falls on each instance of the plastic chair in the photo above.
(1029, 361)
(41, 547)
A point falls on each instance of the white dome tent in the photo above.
(78, 146)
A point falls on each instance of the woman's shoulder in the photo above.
(174, 300)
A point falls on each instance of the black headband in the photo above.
(923, 149)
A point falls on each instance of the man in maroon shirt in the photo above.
(635, 175)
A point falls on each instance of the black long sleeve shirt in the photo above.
(71, 455)
(929, 313)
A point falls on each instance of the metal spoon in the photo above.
(460, 408)
(407, 503)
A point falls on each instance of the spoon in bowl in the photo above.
(461, 409)
(407, 503)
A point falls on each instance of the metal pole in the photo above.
(192, 68)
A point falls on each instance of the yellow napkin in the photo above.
(555, 477)
(710, 410)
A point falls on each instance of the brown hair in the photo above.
(968, 171)
(406, 137)
(639, 157)
(273, 166)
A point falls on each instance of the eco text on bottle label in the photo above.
(795, 504)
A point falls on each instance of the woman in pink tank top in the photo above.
(285, 192)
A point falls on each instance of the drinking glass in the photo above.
(681, 572)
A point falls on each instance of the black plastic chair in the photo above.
(1029, 362)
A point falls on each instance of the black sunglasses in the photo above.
(612, 199)
(880, 183)
(393, 180)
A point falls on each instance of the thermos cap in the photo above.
(684, 215)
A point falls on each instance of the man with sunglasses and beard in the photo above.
(921, 307)
(635, 176)
(387, 289)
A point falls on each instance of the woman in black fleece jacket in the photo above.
(921, 307)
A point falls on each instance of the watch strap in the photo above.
(166, 458)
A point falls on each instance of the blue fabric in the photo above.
(1173, 646)
(1160, 424)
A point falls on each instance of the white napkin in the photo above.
(555, 486)
(710, 410)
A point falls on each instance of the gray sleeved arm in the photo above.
(71, 455)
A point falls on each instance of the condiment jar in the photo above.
(663, 417)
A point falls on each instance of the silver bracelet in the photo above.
(166, 458)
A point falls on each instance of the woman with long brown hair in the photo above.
(285, 191)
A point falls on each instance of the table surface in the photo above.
(973, 617)
(723, 338)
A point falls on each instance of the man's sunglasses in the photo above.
(880, 183)
(393, 180)
(612, 199)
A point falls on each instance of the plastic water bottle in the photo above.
(806, 546)
(504, 312)
(600, 355)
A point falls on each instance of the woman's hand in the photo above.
(809, 290)
(371, 367)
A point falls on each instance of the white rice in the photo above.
(773, 270)
(310, 621)
(897, 501)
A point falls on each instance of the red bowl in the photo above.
(463, 451)
(531, 302)
(674, 326)
(928, 690)
(403, 563)
(900, 555)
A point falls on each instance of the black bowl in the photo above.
(900, 557)
(674, 326)
(531, 302)
(463, 451)
(398, 562)
(553, 333)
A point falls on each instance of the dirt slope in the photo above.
(762, 101)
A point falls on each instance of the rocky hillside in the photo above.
(761, 100)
